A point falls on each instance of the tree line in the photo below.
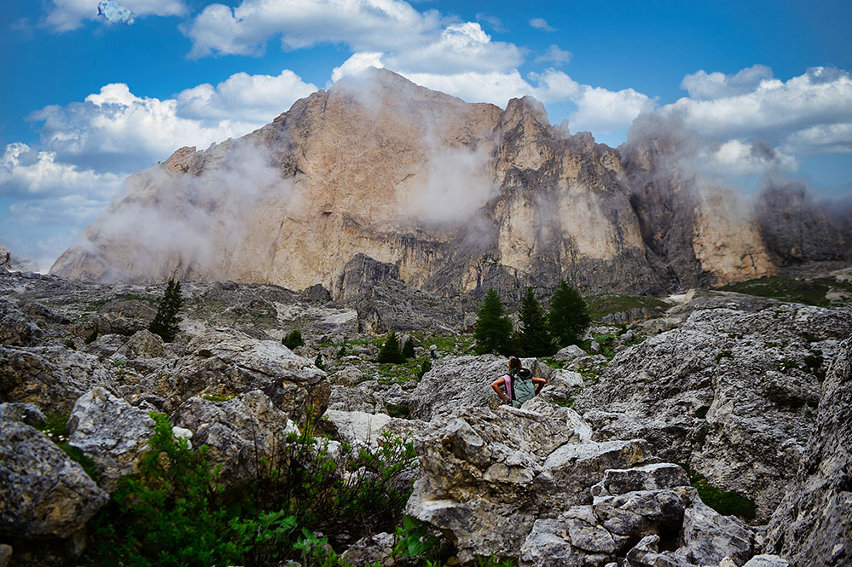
(541, 333)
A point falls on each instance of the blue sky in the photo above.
(86, 102)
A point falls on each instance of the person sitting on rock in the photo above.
(520, 385)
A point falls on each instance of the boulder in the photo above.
(43, 493)
(124, 317)
(143, 344)
(112, 432)
(16, 329)
(241, 433)
(731, 393)
(224, 362)
(813, 524)
(51, 378)
(489, 475)
(25, 413)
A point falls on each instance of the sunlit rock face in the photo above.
(458, 197)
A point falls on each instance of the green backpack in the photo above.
(523, 388)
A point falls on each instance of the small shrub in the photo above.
(413, 542)
(318, 362)
(425, 367)
(55, 426)
(293, 339)
(398, 410)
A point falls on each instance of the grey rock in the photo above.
(241, 433)
(124, 317)
(143, 344)
(813, 524)
(368, 550)
(112, 432)
(43, 493)
(16, 329)
(547, 546)
(731, 393)
(648, 477)
(766, 560)
(51, 378)
(569, 353)
(709, 537)
(362, 398)
(25, 413)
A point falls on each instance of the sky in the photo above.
(95, 91)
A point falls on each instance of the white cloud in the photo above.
(555, 55)
(26, 172)
(496, 87)
(357, 64)
(461, 48)
(244, 98)
(66, 15)
(365, 25)
(774, 109)
(541, 24)
(115, 130)
(708, 86)
(737, 157)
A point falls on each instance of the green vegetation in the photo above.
(727, 503)
(293, 339)
(174, 511)
(55, 426)
(602, 305)
(786, 289)
(408, 349)
(493, 330)
(390, 351)
(533, 338)
(166, 320)
(568, 316)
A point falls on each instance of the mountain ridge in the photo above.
(459, 197)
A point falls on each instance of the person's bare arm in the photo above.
(496, 385)
(539, 384)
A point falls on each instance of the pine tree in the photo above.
(166, 320)
(390, 351)
(568, 317)
(408, 349)
(493, 330)
(533, 339)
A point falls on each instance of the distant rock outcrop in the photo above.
(380, 180)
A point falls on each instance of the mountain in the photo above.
(447, 196)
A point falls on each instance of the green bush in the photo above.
(408, 349)
(727, 503)
(55, 426)
(293, 339)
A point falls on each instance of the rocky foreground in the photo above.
(747, 395)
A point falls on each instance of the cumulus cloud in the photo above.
(460, 48)
(25, 172)
(358, 63)
(366, 25)
(541, 24)
(243, 97)
(773, 109)
(709, 86)
(66, 15)
(115, 130)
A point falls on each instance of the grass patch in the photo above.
(727, 503)
(785, 289)
(55, 426)
(452, 344)
(607, 304)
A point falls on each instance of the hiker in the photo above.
(519, 383)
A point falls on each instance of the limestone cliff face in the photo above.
(458, 197)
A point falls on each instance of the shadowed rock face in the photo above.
(457, 197)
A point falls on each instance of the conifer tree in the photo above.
(493, 331)
(408, 349)
(390, 351)
(568, 316)
(166, 320)
(533, 339)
